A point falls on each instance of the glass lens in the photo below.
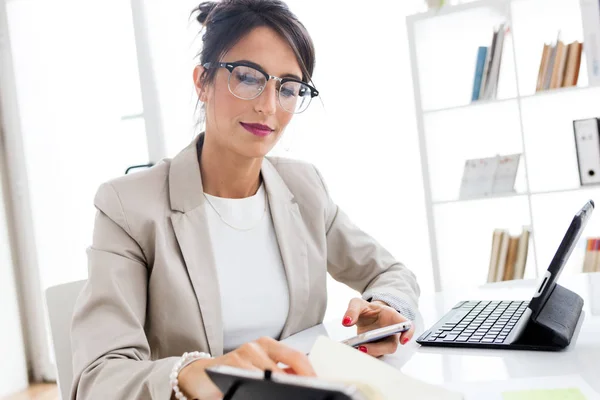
(294, 97)
(246, 82)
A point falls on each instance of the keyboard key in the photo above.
(499, 341)
(462, 339)
(459, 305)
(487, 341)
(450, 338)
(457, 316)
(474, 340)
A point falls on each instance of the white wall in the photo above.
(13, 371)
(13, 365)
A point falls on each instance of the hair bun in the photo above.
(204, 10)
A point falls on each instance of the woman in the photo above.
(222, 250)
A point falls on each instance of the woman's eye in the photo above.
(249, 79)
(287, 92)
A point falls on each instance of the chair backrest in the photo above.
(60, 301)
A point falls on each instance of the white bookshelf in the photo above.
(443, 49)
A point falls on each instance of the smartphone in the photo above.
(377, 334)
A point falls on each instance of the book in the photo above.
(550, 70)
(511, 258)
(543, 67)
(590, 18)
(479, 67)
(491, 89)
(488, 67)
(588, 262)
(522, 252)
(496, 241)
(560, 61)
(573, 64)
(337, 362)
(506, 173)
(478, 177)
(596, 256)
(502, 254)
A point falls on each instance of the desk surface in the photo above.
(456, 367)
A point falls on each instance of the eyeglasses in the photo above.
(247, 83)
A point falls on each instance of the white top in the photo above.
(248, 261)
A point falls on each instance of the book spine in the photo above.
(543, 68)
(491, 89)
(587, 260)
(550, 70)
(479, 67)
(596, 258)
(573, 64)
(559, 70)
(485, 83)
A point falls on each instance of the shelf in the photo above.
(538, 95)
(478, 103)
(557, 92)
(496, 196)
(511, 195)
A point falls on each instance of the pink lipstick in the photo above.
(257, 129)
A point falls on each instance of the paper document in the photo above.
(335, 361)
(545, 394)
(566, 387)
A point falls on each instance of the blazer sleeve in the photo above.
(359, 261)
(111, 354)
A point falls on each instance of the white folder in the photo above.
(588, 150)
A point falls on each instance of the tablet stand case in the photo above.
(555, 324)
(266, 389)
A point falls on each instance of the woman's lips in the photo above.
(257, 129)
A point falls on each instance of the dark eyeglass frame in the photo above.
(231, 65)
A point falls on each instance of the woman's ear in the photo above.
(200, 87)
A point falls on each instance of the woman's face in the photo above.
(226, 114)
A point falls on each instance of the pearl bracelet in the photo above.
(185, 360)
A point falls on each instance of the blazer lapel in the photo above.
(291, 238)
(191, 231)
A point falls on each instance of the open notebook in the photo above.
(334, 361)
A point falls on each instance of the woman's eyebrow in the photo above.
(258, 66)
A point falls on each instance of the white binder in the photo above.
(590, 18)
(587, 142)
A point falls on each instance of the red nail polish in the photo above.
(347, 321)
(404, 341)
(362, 348)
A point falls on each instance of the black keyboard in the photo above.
(478, 322)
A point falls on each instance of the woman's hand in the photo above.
(261, 354)
(368, 316)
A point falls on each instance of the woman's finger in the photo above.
(407, 336)
(354, 309)
(386, 346)
(258, 357)
(278, 352)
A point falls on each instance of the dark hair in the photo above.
(226, 22)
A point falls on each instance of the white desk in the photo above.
(458, 368)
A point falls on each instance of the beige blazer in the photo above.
(152, 292)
